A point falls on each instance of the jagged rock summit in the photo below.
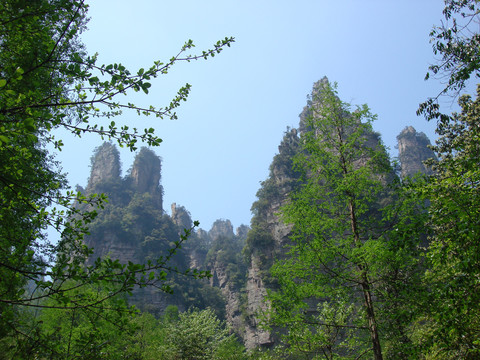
(145, 173)
(143, 177)
(413, 150)
(105, 165)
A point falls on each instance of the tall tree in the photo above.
(327, 282)
(48, 82)
(345, 284)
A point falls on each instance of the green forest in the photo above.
(350, 254)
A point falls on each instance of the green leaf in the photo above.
(145, 87)
(4, 139)
(29, 124)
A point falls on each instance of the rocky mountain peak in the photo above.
(413, 150)
(315, 100)
(105, 165)
(145, 172)
(221, 227)
(242, 231)
(181, 217)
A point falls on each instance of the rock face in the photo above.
(181, 217)
(413, 150)
(267, 238)
(221, 228)
(145, 175)
(225, 262)
(132, 226)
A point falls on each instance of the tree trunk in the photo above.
(367, 294)
(372, 324)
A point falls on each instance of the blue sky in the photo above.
(220, 148)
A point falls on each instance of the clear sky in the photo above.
(219, 150)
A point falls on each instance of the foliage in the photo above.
(452, 304)
(401, 267)
(227, 252)
(86, 332)
(189, 335)
(47, 82)
(259, 238)
(119, 332)
(447, 327)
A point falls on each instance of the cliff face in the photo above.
(221, 228)
(181, 217)
(226, 264)
(132, 225)
(145, 175)
(267, 238)
(105, 165)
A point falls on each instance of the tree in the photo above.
(200, 335)
(48, 82)
(347, 252)
(86, 332)
(192, 334)
(452, 310)
(448, 327)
